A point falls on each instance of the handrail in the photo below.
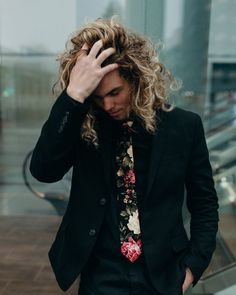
(216, 111)
(220, 127)
(217, 138)
(25, 178)
(223, 269)
(58, 200)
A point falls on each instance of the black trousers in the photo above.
(117, 277)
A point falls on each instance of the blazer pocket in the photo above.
(179, 243)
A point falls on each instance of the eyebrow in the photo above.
(114, 89)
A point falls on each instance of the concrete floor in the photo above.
(24, 265)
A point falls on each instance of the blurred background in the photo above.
(198, 45)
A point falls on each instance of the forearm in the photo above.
(54, 152)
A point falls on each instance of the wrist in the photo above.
(75, 95)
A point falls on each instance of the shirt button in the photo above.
(92, 232)
(102, 201)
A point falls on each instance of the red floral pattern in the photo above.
(131, 249)
(129, 178)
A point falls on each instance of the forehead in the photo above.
(109, 82)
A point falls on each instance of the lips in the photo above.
(113, 114)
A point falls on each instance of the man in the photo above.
(133, 155)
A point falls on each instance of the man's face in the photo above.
(113, 95)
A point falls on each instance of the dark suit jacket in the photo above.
(179, 163)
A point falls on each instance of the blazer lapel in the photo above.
(158, 142)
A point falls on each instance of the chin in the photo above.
(120, 118)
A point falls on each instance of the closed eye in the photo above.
(114, 93)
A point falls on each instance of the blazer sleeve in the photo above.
(202, 203)
(54, 151)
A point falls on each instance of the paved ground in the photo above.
(24, 266)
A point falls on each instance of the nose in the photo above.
(108, 103)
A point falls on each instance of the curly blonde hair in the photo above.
(150, 82)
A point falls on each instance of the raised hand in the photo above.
(87, 71)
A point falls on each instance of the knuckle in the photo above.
(111, 50)
(104, 54)
(108, 51)
(98, 43)
(99, 74)
(87, 62)
(95, 64)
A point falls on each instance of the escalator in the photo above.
(220, 128)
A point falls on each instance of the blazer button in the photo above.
(102, 201)
(92, 232)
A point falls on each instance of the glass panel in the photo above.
(198, 43)
(220, 124)
(199, 48)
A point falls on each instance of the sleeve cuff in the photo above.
(74, 102)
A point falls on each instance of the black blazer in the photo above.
(179, 163)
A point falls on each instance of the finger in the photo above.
(95, 48)
(84, 49)
(85, 46)
(82, 52)
(105, 54)
(109, 68)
